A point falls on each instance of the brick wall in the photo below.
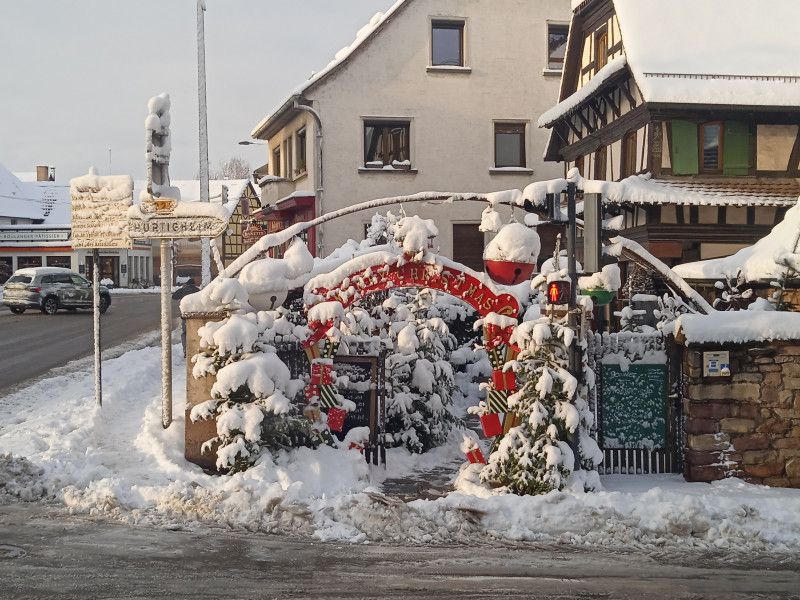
(746, 425)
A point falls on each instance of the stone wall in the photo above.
(197, 391)
(746, 425)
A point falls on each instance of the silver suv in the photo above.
(50, 288)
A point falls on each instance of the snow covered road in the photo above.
(117, 462)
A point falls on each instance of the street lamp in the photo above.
(253, 143)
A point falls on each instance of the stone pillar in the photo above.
(748, 424)
(198, 391)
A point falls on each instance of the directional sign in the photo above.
(164, 218)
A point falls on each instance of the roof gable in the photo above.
(367, 32)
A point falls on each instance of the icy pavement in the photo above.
(118, 463)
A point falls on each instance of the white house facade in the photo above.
(434, 95)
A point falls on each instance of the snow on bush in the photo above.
(414, 235)
(251, 397)
(514, 242)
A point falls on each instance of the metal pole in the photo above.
(572, 320)
(205, 253)
(166, 334)
(98, 374)
(319, 182)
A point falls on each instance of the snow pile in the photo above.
(415, 235)
(515, 242)
(764, 260)
(607, 279)
(739, 327)
(219, 295)
(118, 460)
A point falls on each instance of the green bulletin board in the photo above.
(633, 406)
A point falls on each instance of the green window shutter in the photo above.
(736, 148)
(684, 148)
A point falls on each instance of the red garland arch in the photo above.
(450, 280)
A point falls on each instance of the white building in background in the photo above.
(36, 229)
(433, 95)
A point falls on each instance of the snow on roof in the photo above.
(571, 102)
(757, 262)
(40, 200)
(744, 326)
(26, 176)
(643, 189)
(339, 58)
(735, 52)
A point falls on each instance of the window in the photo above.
(711, 147)
(300, 147)
(556, 45)
(601, 49)
(287, 153)
(276, 162)
(600, 163)
(27, 262)
(509, 145)
(78, 280)
(447, 44)
(628, 154)
(59, 261)
(387, 143)
(468, 243)
(579, 165)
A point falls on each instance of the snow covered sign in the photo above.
(99, 210)
(167, 218)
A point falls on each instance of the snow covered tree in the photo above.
(733, 292)
(251, 398)
(420, 375)
(551, 415)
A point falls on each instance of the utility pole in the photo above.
(205, 256)
(572, 314)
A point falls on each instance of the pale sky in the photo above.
(76, 75)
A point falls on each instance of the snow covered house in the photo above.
(692, 107)
(432, 95)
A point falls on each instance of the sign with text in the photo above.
(169, 219)
(716, 364)
(33, 235)
(100, 211)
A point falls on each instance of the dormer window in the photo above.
(447, 43)
(711, 147)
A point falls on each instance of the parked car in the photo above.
(49, 289)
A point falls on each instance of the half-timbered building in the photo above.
(693, 107)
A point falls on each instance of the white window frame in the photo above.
(547, 70)
(526, 170)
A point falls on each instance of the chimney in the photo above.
(45, 173)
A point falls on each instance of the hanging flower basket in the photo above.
(507, 272)
(599, 296)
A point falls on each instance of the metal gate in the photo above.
(638, 414)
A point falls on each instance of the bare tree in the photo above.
(233, 168)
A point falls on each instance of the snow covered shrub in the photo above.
(733, 293)
(552, 418)
(420, 376)
(251, 398)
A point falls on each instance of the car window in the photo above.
(78, 280)
(47, 279)
(65, 278)
(20, 279)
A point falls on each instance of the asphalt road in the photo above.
(32, 344)
(47, 553)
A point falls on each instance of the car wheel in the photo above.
(17, 310)
(50, 305)
(105, 302)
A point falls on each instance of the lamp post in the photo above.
(205, 252)
(253, 143)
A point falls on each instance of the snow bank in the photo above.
(761, 261)
(118, 462)
(739, 327)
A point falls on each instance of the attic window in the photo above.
(556, 45)
(447, 43)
